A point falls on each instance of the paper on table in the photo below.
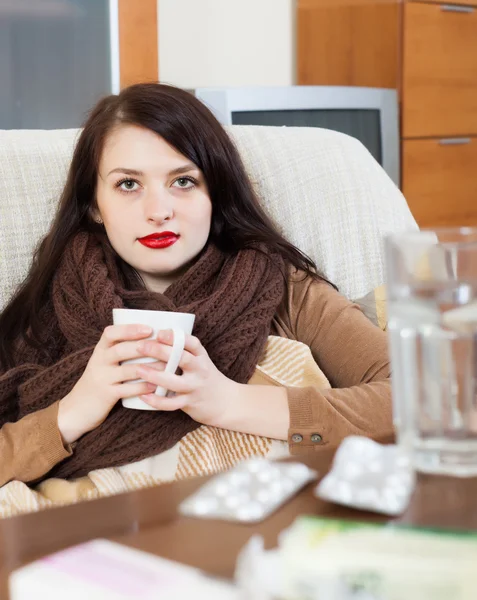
(103, 570)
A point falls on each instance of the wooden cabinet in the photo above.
(439, 71)
(138, 53)
(439, 181)
(348, 41)
(427, 50)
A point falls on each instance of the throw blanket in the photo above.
(234, 298)
(204, 451)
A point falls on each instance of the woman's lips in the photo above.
(158, 241)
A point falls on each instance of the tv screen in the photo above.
(363, 124)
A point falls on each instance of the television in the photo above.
(368, 114)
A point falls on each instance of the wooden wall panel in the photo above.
(138, 48)
(349, 42)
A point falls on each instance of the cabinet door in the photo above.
(439, 70)
(439, 181)
(348, 42)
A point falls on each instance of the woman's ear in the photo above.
(95, 215)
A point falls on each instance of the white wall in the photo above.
(226, 42)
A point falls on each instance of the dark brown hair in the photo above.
(187, 125)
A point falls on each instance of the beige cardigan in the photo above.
(350, 350)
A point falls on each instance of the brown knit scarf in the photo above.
(234, 298)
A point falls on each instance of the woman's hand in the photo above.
(202, 391)
(104, 381)
(211, 398)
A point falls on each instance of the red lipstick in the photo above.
(156, 241)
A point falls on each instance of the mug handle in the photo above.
(175, 358)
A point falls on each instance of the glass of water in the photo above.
(432, 323)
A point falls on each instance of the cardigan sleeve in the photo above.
(352, 352)
(32, 446)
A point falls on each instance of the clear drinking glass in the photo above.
(432, 315)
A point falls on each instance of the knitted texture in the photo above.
(234, 298)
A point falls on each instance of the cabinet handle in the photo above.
(454, 141)
(458, 9)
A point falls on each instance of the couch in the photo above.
(323, 189)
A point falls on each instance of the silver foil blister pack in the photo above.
(369, 476)
(249, 492)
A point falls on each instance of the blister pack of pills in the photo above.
(249, 492)
(369, 476)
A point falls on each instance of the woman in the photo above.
(153, 163)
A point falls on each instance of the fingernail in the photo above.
(144, 329)
(165, 333)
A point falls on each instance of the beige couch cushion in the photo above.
(323, 188)
(33, 167)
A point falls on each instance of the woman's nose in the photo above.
(158, 207)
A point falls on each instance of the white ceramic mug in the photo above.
(159, 320)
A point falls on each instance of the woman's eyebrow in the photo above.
(184, 169)
(177, 171)
(126, 171)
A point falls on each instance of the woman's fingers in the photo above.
(158, 365)
(192, 344)
(127, 390)
(119, 333)
(164, 403)
(174, 383)
(129, 372)
(162, 352)
(123, 351)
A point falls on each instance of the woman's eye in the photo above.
(128, 185)
(184, 183)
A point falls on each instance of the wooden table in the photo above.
(148, 520)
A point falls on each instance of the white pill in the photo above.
(288, 486)
(256, 465)
(299, 472)
(368, 497)
(204, 506)
(232, 501)
(276, 489)
(222, 489)
(352, 470)
(343, 491)
(263, 496)
(268, 475)
(394, 480)
(375, 466)
(252, 511)
(238, 479)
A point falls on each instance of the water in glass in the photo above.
(432, 331)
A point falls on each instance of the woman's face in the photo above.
(154, 204)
